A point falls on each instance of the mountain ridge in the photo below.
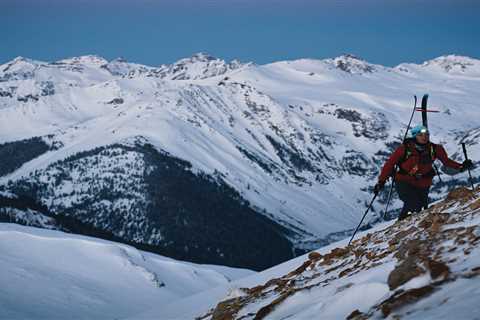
(301, 148)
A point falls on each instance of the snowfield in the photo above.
(53, 275)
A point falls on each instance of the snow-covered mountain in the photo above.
(53, 275)
(426, 267)
(204, 158)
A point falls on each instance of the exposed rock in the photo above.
(433, 222)
(300, 269)
(412, 247)
(47, 88)
(226, 310)
(404, 298)
(264, 311)
(356, 315)
(404, 272)
(459, 193)
(115, 101)
(314, 256)
(437, 269)
(352, 64)
(27, 98)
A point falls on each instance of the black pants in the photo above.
(414, 199)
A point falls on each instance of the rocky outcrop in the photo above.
(421, 250)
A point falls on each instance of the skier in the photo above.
(414, 159)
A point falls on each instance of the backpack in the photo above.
(408, 151)
(425, 157)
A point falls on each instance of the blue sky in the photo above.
(153, 32)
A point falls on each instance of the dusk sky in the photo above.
(152, 32)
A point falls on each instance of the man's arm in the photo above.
(442, 156)
(387, 169)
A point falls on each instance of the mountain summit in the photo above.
(198, 66)
(352, 64)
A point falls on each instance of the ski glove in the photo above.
(378, 187)
(467, 164)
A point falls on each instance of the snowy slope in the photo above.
(427, 267)
(302, 141)
(53, 275)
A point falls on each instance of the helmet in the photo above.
(417, 130)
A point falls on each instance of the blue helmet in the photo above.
(418, 129)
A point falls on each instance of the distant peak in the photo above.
(451, 58)
(21, 66)
(21, 59)
(121, 67)
(198, 57)
(349, 56)
(452, 63)
(352, 64)
(203, 57)
(120, 60)
(86, 59)
(198, 66)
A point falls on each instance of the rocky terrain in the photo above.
(426, 267)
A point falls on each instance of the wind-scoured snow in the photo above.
(53, 275)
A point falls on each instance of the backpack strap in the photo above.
(433, 151)
(407, 151)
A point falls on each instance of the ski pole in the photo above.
(437, 172)
(368, 209)
(411, 117)
(389, 197)
(466, 158)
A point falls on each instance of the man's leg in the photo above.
(424, 193)
(418, 198)
(406, 193)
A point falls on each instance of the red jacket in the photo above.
(412, 170)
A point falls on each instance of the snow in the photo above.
(197, 120)
(50, 275)
(461, 295)
(28, 217)
(337, 296)
(199, 304)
